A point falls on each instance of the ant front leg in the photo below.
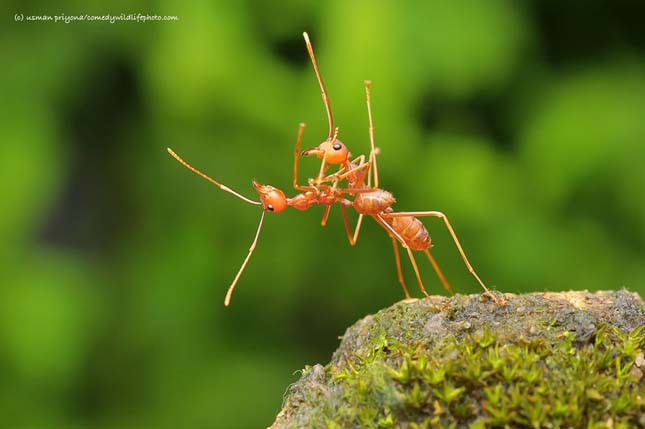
(336, 178)
(296, 162)
(455, 239)
(351, 236)
(347, 169)
(323, 222)
(354, 170)
(333, 190)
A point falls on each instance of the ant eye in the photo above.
(270, 207)
(337, 146)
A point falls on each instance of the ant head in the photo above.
(273, 199)
(335, 150)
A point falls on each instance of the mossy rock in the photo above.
(544, 360)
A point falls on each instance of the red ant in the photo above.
(274, 200)
(368, 200)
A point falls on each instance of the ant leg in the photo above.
(365, 165)
(342, 174)
(227, 300)
(396, 235)
(445, 283)
(347, 169)
(359, 159)
(353, 238)
(296, 161)
(373, 151)
(213, 181)
(416, 272)
(455, 239)
(333, 177)
(399, 273)
(390, 230)
(328, 208)
(325, 215)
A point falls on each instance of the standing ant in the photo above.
(368, 199)
(403, 227)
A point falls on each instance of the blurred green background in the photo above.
(523, 121)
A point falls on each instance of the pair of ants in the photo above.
(356, 179)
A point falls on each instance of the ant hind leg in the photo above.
(444, 282)
(456, 240)
(399, 272)
(416, 272)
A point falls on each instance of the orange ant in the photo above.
(403, 227)
(274, 200)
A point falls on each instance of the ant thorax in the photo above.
(303, 201)
(324, 195)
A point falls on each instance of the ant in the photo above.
(403, 227)
(272, 199)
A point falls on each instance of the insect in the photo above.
(403, 227)
(272, 199)
(368, 199)
(332, 151)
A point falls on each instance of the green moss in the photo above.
(478, 382)
(581, 370)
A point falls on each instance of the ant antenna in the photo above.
(227, 300)
(368, 93)
(213, 181)
(333, 139)
(325, 97)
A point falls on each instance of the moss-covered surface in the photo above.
(551, 360)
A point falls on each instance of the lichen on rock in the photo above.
(552, 360)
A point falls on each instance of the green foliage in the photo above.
(479, 382)
(520, 120)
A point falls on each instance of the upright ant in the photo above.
(368, 199)
(403, 227)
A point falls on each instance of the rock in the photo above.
(568, 359)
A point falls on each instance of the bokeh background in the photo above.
(523, 121)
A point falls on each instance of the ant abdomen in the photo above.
(373, 202)
(411, 229)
